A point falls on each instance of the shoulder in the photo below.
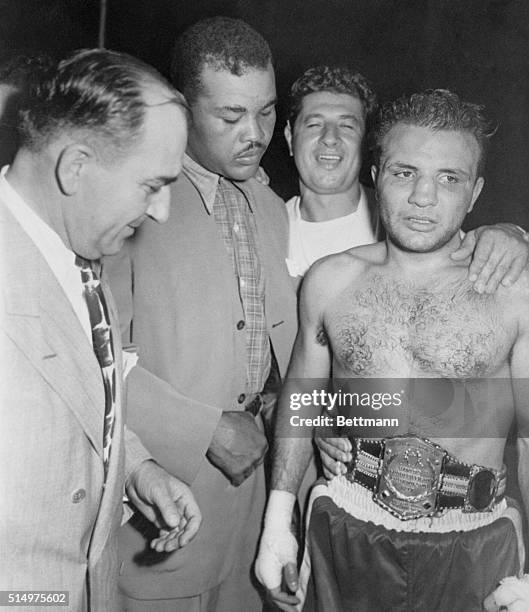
(517, 295)
(330, 276)
(264, 193)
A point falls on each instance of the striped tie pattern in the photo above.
(103, 347)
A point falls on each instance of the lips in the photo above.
(420, 222)
(248, 159)
(328, 160)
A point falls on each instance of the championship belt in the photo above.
(412, 477)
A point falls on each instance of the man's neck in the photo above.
(325, 207)
(421, 267)
(28, 176)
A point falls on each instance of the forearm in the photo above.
(290, 455)
(176, 429)
(523, 472)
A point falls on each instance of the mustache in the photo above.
(253, 147)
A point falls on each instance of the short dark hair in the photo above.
(220, 42)
(437, 109)
(336, 79)
(21, 70)
(101, 92)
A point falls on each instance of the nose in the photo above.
(254, 131)
(329, 134)
(424, 192)
(159, 207)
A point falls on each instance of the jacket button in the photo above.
(78, 495)
(240, 324)
(241, 398)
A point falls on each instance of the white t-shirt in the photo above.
(311, 240)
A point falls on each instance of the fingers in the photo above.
(515, 270)
(338, 449)
(466, 247)
(499, 257)
(237, 479)
(335, 455)
(484, 285)
(284, 601)
(484, 261)
(290, 576)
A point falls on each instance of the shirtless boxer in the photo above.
(403, 309)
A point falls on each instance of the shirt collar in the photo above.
(46, 239)
(205, 181)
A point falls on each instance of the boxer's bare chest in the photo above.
(390, 328)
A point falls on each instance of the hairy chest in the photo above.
(390, 329)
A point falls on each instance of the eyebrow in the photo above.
(412, 167)
(243, 109)
(321, 116)
(163, 180)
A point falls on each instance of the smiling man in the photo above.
(209, 301)
(420, 520)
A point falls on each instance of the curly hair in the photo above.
(221, 42)
(94, 90)
(336, 79)
(437, 109)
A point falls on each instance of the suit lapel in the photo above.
(41, 321)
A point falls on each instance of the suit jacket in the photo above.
(57, 523)
(178, 300)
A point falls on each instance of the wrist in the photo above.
(279, 510)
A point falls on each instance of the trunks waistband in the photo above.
(358, 502)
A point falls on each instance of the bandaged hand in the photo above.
(276, 562)
(511, 596)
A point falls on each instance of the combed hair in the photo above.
(336, 79)
(437, 109)
(96, 91)
(220, 42)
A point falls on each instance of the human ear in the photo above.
(72, 163)
(288, 137)
(478, 186)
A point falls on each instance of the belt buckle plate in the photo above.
(410, 477)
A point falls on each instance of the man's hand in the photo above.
(238, 446)
(276, 566)
(335, 453)
(500, 253)
(167, 502)
(511, 596)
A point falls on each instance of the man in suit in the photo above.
(102, 137)
(214, 315)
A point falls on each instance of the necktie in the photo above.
(102, 344)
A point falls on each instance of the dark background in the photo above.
(478, 48)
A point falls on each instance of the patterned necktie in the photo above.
(102, 343)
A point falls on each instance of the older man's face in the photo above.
(233, 120)
(114, 199)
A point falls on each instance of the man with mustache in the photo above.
(214, 312)
(419, 520)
